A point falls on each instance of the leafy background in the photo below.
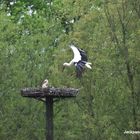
(34, 38)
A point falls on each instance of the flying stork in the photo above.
(80, 61)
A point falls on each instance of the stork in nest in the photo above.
(45, 84)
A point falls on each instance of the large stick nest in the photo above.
(49, 92)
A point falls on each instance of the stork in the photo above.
(80, 61)
(45, 83)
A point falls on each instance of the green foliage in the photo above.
(33, 46)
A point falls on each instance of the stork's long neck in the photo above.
(68, 64)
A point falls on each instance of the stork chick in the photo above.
(45, 83)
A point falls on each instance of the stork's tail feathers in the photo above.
(88, 65)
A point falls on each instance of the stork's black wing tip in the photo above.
(83, 55)
(79, 68)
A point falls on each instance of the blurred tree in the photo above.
(34, 36)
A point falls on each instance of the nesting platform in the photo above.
(49, 94)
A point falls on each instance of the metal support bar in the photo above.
(49, 118)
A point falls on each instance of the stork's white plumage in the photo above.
(79, 60)
(45, 83)
(77, 56)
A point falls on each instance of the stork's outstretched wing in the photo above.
(77, 56)
(83, 55)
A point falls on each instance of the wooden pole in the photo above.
(49, 94)
(49, 118)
